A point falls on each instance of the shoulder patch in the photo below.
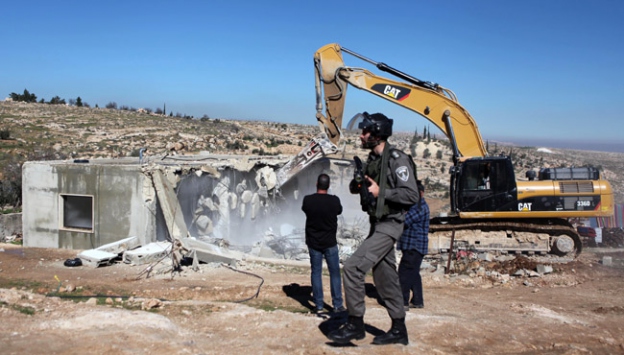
(402, 172)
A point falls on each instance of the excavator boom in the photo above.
(435, 103)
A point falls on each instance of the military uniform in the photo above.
(377, 251)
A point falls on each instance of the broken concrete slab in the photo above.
(485, 256)
(171, 208)
(210, 253)
(121, 246)
(544, 269)
(149, 253)
(95, 258)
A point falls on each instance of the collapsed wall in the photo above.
(244, 209)
(232, 202)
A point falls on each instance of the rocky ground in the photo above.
(264, 308)
(491, 305)
(58, 132)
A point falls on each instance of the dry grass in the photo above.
(42, 131)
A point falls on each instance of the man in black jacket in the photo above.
(322, 210)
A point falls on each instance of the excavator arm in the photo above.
(433, 102)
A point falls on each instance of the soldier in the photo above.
(388, 191)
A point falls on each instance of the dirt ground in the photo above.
(46, 307)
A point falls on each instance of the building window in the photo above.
(77, 212)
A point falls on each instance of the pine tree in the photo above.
(429, 135)
(415, 137)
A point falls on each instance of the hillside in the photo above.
(41, 131)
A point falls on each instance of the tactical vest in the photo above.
(373, 170)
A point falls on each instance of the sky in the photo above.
(534, 72)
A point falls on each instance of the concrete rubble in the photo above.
(96, 258)
(233, 210)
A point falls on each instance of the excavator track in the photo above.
(520, 236)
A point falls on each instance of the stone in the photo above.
(544, 269)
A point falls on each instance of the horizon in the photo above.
(607, 147)
(571, 144)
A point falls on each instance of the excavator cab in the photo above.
(484, 184)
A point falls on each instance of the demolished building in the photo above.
(229, 202)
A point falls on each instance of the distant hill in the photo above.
(42, 131)
(572, 144)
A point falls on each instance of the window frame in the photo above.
(63, 206)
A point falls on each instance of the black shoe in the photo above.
(412, 305)
(352, 330)
(396, 335)
(340, 309)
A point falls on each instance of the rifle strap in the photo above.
(383, 181)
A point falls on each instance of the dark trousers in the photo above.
(377, 253)
(333, 265)
(409, 276)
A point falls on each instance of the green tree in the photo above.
(57, 101)
(413, 143)
(414, 137)
(25, 97)
(78, 101)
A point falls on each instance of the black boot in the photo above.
(396, 335)
(352, 330)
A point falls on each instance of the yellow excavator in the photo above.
(490, 209)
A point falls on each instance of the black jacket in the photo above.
(322, 212)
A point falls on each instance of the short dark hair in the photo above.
(420, 185)
(322, 183)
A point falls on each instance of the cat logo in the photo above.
(395, 92)
(392, 92)
(524, 207)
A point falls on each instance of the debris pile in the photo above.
(612, 238)
(15, 238)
